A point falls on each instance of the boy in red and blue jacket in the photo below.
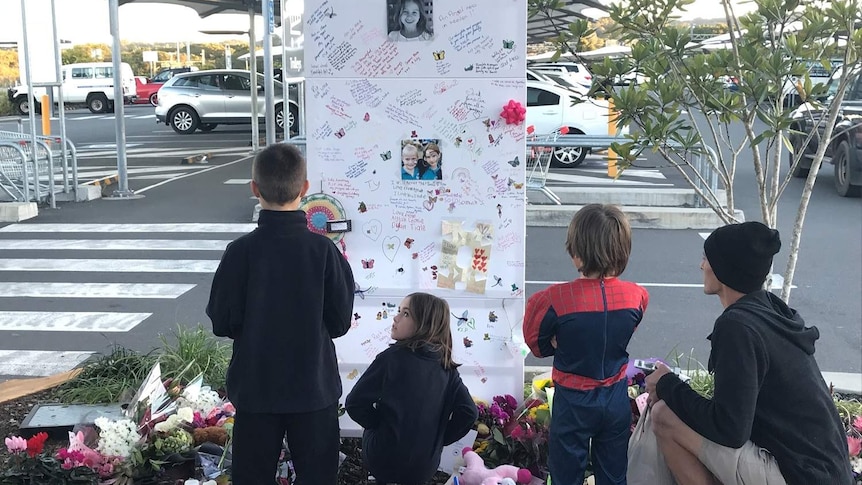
(586, 325)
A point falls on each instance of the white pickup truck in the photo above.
(90, 83)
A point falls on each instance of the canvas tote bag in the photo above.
(646, 462)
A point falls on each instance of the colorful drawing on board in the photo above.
(320, 209)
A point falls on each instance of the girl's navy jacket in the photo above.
(411, 407)
(282, 293)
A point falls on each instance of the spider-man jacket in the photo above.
(593, 321)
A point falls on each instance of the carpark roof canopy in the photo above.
(539, 28)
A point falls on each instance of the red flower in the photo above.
(36, 444)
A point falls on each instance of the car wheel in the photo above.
(293, 119)
(154, 100)
(841, 161)
(568, 157)
(97, 103)
(801, 171)
(184, 120)
(22, 104)
(207, 127)
(279, 118)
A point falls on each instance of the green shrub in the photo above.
(6, 107)
(192, 352)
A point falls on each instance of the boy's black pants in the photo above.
(313, 439)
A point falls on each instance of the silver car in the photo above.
(205, 99)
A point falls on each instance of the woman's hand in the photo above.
(652, 380)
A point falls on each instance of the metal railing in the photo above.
(14, 172)
(701, 163)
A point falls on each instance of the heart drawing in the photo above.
(390, 247)
(372, 229)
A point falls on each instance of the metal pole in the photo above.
(269, 98)
(60, 100)
(300, 100)
(188, 53)
(255, 128)
(34, 151)
(122, 190)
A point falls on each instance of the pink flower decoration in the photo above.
(857, 423)
(854, 446)
(513, 112)
(16, 444)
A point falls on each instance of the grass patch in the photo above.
(6, 107)
(117, 375)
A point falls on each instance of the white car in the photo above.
(550, 108)
(87, 82)
(574, 72)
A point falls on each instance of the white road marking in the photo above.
(237, 181)
(70, 321)
(115, 244)
(111, 265)
(39, 363)
(93, 290)
(148, 228)
(159, 184)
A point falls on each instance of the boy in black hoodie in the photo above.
(282, 293)
(771, 420)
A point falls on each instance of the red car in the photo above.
(147, 88)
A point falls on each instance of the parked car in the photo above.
(89, 82)
(148, 87)
(575, 72)
(205, 99)
(845, 147)
(550, 108)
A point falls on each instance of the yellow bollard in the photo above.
(613, 172)
(46, 116)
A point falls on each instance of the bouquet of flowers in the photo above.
(854, 446)
(514, 434)
(29, 463)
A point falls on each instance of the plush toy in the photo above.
(475, 472)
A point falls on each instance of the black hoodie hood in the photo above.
(771, 310)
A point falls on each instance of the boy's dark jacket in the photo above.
(282, 293)
(410, 407)
(768, 389)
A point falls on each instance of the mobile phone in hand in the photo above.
(645, 366)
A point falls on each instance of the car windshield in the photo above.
(832, 85)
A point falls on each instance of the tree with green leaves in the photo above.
(685, 105)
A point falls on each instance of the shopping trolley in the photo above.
(539, 163)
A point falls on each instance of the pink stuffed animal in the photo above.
(475, 472)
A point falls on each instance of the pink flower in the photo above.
(16, 444)
(857, 423)
(854, 446)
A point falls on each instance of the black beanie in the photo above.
(741, 254)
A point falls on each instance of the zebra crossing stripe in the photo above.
(115, 244)
(70, 321)
(39, 363)
(93, 290)
(111, 265)
(115, 228)
(237, 181)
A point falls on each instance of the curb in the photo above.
(201, 158)
(104, 181)
(640, 217)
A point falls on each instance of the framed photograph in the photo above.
(421, 159)
(410, 20)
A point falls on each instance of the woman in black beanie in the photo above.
(771, 420)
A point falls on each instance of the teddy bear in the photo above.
(211, 434)
(475, 472)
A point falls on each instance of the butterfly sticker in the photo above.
(415, 255)
(515, 162)
(451, 207)
(363, 208)
(439, 55)
(487, 122)
(413, 134)
(340, 133)
(492, 317)
(386, 155)
(408, 243)
(497, 281)
(469, 68)
(353, 375)
(514, 287)
(367, 117)
(389, 305)
(458, 141)
(359, 291)
(330, 12)
(400, 270)
(467, 343)
(508, 44)
(486, 337)
(493, 141)
(499, 211)
(390, 245)
(367, 264)
(356, 316)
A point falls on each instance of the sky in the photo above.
(85, 21)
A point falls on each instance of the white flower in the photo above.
(202, 400)
(186, 414)
(183, 415)
(856, 463)
(116, 438)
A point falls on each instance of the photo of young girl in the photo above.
(410, 160)
(410, 20)
(430, 166)
(411, 401)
